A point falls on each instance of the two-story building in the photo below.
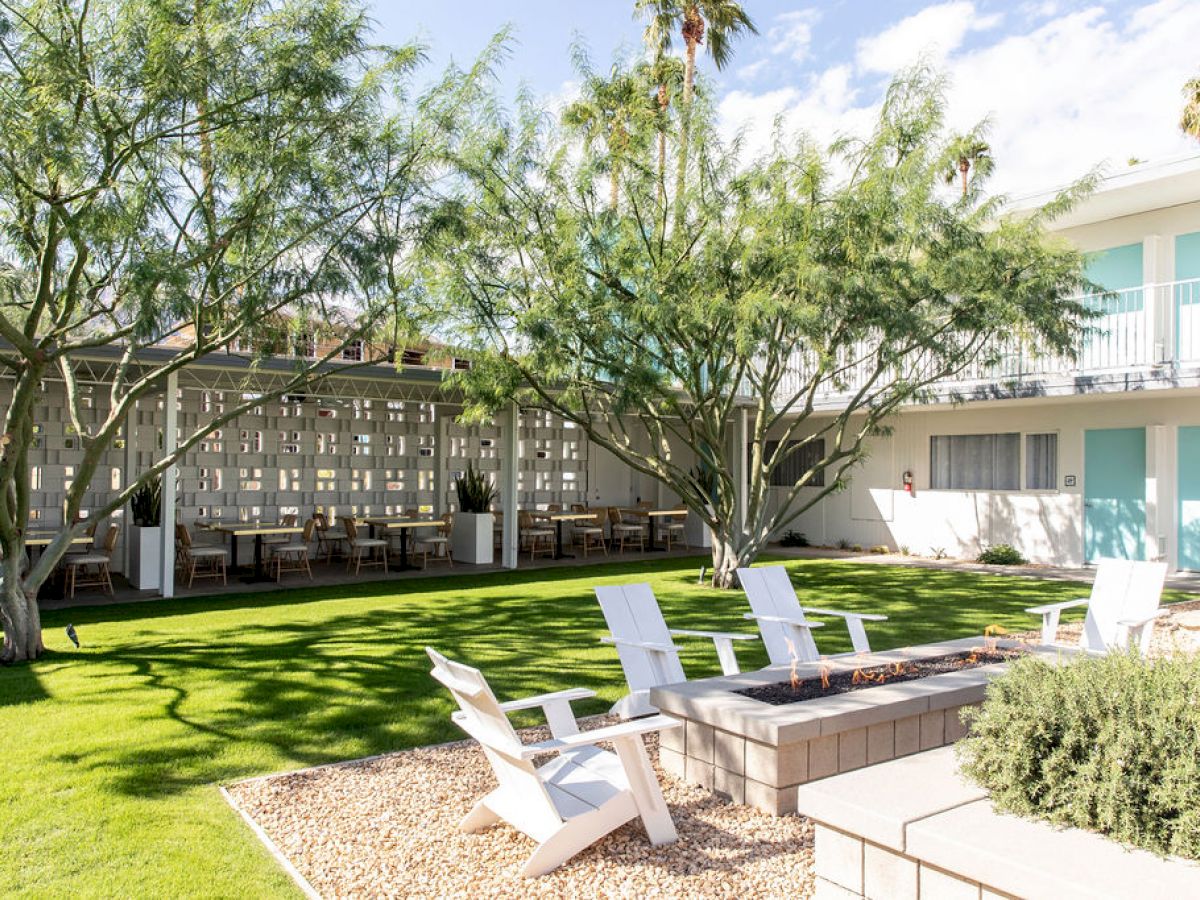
(1067, 462)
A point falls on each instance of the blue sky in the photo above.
(1066, 84)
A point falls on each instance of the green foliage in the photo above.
(794, 539)
(850, 269)
(145, 504)
(475, 491)
(1108, 743)
(1001, 555)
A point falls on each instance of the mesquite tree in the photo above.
(853, 271)
(197, 175)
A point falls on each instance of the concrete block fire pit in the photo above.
(758, 753)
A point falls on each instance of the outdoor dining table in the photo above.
(402, 525)
(558, 518)
(258, 532)
(43, 539)
(652, 514)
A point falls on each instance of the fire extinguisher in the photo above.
(908, 482)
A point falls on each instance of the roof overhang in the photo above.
(1138, 189)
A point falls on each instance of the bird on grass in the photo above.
(73, 636)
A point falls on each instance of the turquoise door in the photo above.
(1114, 493)
(1189, 498)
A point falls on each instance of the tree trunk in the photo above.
(964, 167)
(729, 552)
(663, 101)
(689, 78)
(20, 617)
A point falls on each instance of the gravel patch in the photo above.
(1176, 632)
(387, 827)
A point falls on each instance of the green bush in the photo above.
(794, 539)
(1109, 743)
(1001, 555)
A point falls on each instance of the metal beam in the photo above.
(170, 435)
(510, 439)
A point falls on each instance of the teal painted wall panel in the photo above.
(1187, 256)
(1189, 497)
(1116, 268)
(1114, 493)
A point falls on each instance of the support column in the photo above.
(129, 468)
(441, 438)
(170, 442)
(1156, 303)
(510, 450)
(1161, 490)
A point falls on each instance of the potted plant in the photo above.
(472, 535)
(145, 548)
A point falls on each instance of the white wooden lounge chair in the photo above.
(643, 641)
(781, 620)
(573, 800)
(1123, 606)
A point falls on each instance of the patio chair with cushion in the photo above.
(536, 538)
(437, 544)
(672, 530)
(328, 539)
(205, 561)
(624, 531)
(92, 565)
(293, 557)
(571, 801)
(589, 533)
(373, 550)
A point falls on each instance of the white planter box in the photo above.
(471, 541)
(145, 558)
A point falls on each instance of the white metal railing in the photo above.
(1149, 325)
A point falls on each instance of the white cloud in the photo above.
(792, 33)
(1062, 95)
(935, 31)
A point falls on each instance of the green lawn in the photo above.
(111, 752)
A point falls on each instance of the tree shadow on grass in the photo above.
(286, 692)
(21, 684)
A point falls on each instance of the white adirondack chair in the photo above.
(644, 644)
(1123, 605)
(571, 801)
(785, 631)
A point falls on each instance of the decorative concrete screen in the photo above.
(554, 461)
(55, 453)
(339, 454)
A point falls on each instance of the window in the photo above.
(1041, 462)
(353, 351)
(412, 358)
(462, 364)
(795, 464)
(965, 462)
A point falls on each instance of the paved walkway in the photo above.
(335, 574)
(1180, 581)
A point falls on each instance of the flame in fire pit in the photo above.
(991, 636)
(826, 669)
(795, 679)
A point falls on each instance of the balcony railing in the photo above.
(1152, 325)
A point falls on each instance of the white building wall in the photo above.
(1046, 526)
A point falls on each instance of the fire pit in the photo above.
(827, 683)
(754, 738)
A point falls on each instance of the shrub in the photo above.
(475, 492)
(793, 539)
(881, 549)
(843, 544)
(1109, 743)
(145, 504)
(1001, 555)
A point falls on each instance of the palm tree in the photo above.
(722, 20)
(968, 152)
(1189, 121)
(665, 76)
(609, 109)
